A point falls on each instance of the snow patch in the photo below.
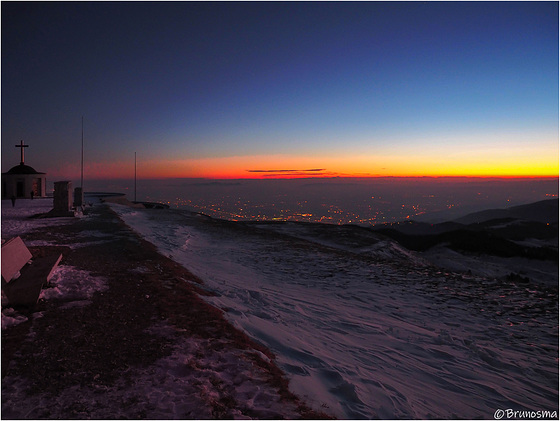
(69, 283)
(17, 220)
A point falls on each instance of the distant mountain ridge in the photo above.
(544, 211)
(496, 232)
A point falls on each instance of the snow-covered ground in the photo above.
(16, 220)
(363, 338)
(542, 271)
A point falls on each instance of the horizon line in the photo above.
(331, 177)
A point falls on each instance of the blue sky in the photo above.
(211, 89)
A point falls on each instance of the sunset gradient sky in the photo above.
(258, 90)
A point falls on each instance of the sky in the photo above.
(264, 90)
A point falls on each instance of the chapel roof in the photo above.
(23, 169)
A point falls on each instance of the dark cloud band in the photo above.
(289, 171)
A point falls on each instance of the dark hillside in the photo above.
(493, 232)
(517, 230)
(477, 242)
(420, 228)
(545, 211)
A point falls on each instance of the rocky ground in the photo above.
(144, 346)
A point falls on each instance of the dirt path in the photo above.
(146, 347)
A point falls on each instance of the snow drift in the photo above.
(361, 336)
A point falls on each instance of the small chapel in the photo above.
(22, 180)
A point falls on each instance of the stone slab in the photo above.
(25, 290)
(14, 257)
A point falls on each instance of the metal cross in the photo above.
(21, 145)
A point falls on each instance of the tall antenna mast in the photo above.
(135, 176)
(82, 174)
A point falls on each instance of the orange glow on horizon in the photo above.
(304, 167)
(282, 167)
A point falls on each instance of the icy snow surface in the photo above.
(360, 338)
(16, 220)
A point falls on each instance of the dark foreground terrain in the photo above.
(143, 346)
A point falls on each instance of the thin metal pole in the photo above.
(82, 174)
(135, 176)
